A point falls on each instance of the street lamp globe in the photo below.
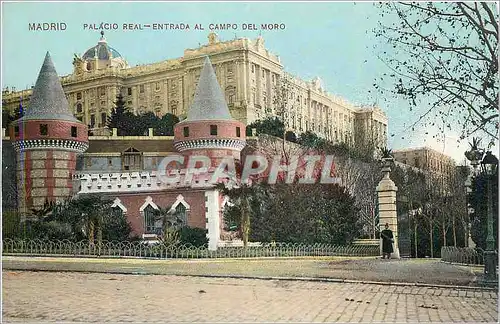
(489, 164)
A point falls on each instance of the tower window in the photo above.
(186, 131)
(213, 129)
(74, 132)
(129, 91)
(44, 129)
(238, 132)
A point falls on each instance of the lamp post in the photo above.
(489, 167)
(468, 189)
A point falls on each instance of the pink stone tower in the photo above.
(46, 139)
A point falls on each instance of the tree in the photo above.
(145, 121)
(446, 54)
(310, 139)
(304, 213)
(85, 212)
(240, 196)
(271, 126)
(115, 226)
(123, 120)
(165, 126)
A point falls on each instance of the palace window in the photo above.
(238, 132)
(78, 107)
(78, 96)
(129, 91)
(16, 130)
(149, 220)
(74, 132)
(103, 119)
(213, 129)
(44, 129)
(157, 86)
(103, 103)
(253, 68)
(92, 121)
(131, 159)
(103, 91)
(230, 93)
(186, 131)
(141, 88)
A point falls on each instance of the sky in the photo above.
(333, 41)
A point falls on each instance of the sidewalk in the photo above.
(368, 269)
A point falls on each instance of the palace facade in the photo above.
(252, 80)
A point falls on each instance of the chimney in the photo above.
(115, 132)
(150, 132)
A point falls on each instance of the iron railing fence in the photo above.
(463, 255)
(144, 250)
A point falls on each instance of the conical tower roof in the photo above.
(209, 102)
(48, 100)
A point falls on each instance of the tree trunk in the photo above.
(444, 235)
(99, 234)
(91, 231)
(454, 232)
(431, 230)
(245, 222)
(416, 242)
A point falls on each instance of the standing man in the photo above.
(387, 240)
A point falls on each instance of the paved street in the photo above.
(424, 271)
(83, 297)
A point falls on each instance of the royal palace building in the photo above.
(253, 81)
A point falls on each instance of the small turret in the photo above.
(209, 129)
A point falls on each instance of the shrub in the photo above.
(193, 236)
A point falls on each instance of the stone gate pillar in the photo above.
(386, 191)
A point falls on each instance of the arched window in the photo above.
(149, 220)
(181, 212)
(78, 107)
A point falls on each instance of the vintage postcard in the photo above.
(249, 161)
